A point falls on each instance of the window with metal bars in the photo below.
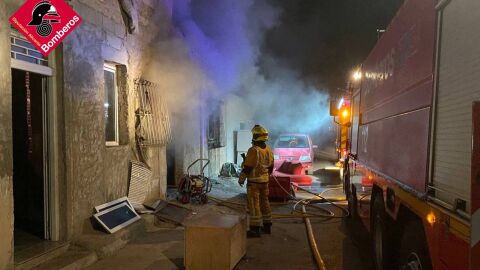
(152, 126)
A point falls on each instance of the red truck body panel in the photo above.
(475, 190)
(396, 97)
(393, 138)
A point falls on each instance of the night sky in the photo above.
(324, 39)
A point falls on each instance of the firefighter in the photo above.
(256, 169)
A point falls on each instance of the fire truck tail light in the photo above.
(431, 218)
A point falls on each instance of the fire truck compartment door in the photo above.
(458, 86)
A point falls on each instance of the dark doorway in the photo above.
(171, 182)
(28, 101)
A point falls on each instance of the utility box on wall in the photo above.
(215, 242)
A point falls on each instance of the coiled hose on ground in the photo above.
(311, 202)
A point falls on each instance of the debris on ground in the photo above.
(139, 185)
(230, 170)
(329, 176)
(171, 212)
(115, 215)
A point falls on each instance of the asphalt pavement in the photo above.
(343, 243)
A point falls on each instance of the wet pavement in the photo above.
(343, 243)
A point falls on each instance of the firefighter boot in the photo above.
(267, 228)
(254, 232)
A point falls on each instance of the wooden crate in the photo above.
(215, 242)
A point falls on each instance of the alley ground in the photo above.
(343, 243)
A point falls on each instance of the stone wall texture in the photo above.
(217, 157)
(97, 173)
(6, 192)
(91, 172)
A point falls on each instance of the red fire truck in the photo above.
(342, 110)
(412, 171)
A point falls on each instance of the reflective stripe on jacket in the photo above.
(260, 159)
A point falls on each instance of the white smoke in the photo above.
(212, 51)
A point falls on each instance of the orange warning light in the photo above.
(431, 218)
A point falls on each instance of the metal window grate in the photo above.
(140, 182)
(152, 125)
(22, 49)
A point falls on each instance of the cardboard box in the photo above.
(215, 242)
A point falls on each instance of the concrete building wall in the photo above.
(84, 124)
(189, 141)
(90, 172)
(217, 158)
(97, 173)
(236, 115)
(237, 112)
(6, 192)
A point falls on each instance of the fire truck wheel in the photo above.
(381, 235)
(413, 253)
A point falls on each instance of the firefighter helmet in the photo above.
(259, 134)
(40, 10)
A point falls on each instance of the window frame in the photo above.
(113, 69)
(215, 128)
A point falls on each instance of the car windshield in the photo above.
(292, 141)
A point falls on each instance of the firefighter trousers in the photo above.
(258, 205)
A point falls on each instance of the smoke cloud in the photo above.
(213, 50)
(287, 104)
(210, 44)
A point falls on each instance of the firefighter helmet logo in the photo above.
(43, 15)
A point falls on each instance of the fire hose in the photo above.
(300, 214)
(308, 225)
(313, 243)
